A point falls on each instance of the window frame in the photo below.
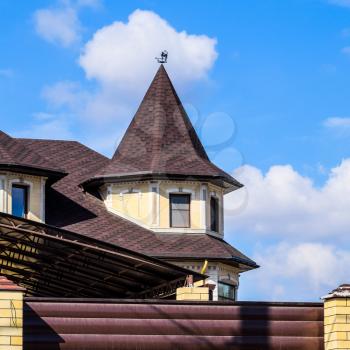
(3, 208)
(217, 219)
(26, 197)
(172, 195)
(235, 289)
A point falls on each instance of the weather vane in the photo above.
(163, 57)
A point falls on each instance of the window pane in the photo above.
(214, 214)
(226, 291)
(180, 202)
(180, 210)
(19, 201)
(180, 218)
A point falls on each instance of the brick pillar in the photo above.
(11, 315)
(337, 318)
(192, 293)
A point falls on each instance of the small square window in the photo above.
(180, 210)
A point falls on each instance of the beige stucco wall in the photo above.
(36, 194)
(147, 203)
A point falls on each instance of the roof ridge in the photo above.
(39, 139)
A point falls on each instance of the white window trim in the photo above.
(155, 207)
(132, 190)
(203, 206)
(180, 190)
(2, 193)
(110, 191)
(108, 200)
(42, 197)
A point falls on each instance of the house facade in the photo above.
(159, 195)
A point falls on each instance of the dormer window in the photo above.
(180, 210)
(20, 200)
(214, 214)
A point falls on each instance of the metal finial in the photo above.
(163, 57)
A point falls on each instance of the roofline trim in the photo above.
(32, 170)
(149, 175)
(242, 261)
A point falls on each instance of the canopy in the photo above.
(52, 262)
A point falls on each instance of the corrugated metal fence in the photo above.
(52, 324)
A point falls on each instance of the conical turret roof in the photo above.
(161, 141)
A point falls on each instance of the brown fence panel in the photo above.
(53, 324)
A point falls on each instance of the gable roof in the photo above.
(161, 141)
(69, 207)
(16, 157)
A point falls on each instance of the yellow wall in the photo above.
(147, 203)
(132, 201)
(36, 193)
(192, 293)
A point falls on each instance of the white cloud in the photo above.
(120, 59)
(337, 122)
(61, 24)
(122, 54)
(47, 126)
(300, 231)
(283, 203)
(65, 94)
(301, 271)
(91, 107)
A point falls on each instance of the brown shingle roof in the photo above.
(70, 208)
(15, 156)
(161, 140)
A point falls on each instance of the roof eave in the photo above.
(53, 175)
(229, 184)
(247, 264)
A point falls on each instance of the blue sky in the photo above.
(269, 77)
